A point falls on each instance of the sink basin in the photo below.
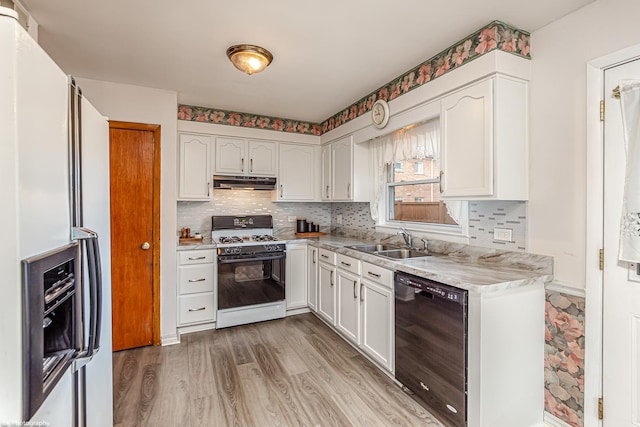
(374, 248)
(401, 254)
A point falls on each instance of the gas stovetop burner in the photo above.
(263, 238)
(231, 239)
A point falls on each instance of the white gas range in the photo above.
(251, 270)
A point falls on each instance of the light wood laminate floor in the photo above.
(288, 372)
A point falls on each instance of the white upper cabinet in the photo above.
(325, 160)
(262, 158)
(194, 169)
(345, 171)
(484, 141)
(238, 156)
(297, 172)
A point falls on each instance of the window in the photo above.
(418, 168)
(414, 188)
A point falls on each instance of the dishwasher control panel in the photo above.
(437, 289)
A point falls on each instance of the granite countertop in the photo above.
(467, 267)
(463, 266)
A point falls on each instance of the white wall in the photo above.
(560, 52)
(152, 106)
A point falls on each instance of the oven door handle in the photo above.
(248, 259)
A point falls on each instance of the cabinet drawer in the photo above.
(347, 263)
(195, 278)
(327, 256)
(377, 274)
(196, 308)
(195, 257)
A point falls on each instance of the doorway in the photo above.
(621, 287)
(134, 159)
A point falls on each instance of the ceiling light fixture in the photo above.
(248, 58)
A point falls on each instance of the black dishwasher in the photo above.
(431, 346)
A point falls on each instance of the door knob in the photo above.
(145, 246)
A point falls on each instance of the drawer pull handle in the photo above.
(198, 309)
(345, 263)
(324, 256)
(196, 258)
(197, 280)
(373, 274)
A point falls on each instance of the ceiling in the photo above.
(327, 54)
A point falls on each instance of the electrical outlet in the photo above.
(339, 219)
(291, 218)
(502, 234)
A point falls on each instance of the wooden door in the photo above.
(134, 165)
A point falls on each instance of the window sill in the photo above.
(448, 234)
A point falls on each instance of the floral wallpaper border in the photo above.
(564, 353)
(496, 35)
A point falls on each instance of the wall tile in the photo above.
(484, 216)
(197, 215)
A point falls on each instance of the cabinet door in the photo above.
(377, 322)
(342, 162)
(262, 159)
(327, 292)
(467, 141)
(194, 167)
(296, 276)
(231, 156)
(296, 165)
(348, 305)
(325, 160)
(312, 278)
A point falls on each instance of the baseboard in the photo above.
(171, 339)
(297, 311)
(553, 421)
(195, 328)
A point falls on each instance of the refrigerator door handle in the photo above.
(90, 242)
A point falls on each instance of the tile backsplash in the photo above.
(197, 215)
(483, 216)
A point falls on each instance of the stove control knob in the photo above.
(227, 250)
(269, 248)
(237, 250)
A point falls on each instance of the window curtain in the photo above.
(630, 221)
(420, 141)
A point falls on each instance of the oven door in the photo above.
(250, 281)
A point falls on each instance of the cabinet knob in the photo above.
(145, 246)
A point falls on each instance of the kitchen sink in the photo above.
(373, 248)
(401, 254)
(389, 251)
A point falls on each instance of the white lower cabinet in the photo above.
(348, 305)
(377, 322)
(196, 287)
(296, 276)
(327, 291)
(312, 279)
(357, 299)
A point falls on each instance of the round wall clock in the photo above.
(380, 113)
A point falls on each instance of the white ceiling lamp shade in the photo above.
(249, 58)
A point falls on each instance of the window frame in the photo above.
(459, 232)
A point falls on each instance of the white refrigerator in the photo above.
(36, 215)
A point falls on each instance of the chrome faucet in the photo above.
(407, 237)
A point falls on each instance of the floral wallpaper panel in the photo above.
(564, 357)
(496, 35)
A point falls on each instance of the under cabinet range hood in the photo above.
(244, 182)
